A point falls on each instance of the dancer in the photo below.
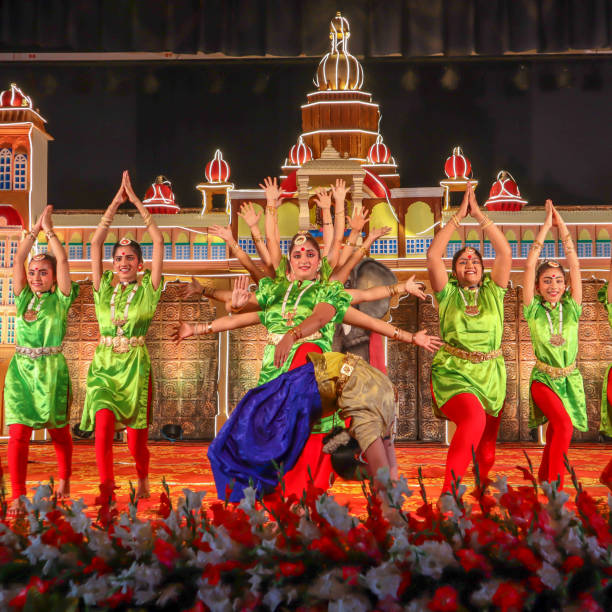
(605, 426)
(119, 381)
(468, 374)
(556, 392)
(37, 391)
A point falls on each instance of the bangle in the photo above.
(105, 221)
(208, 292)
(339, 213)
(233, 245)
(296, 331)
(327, 223)
(50, 234)
(566, 238)
(396, 333)
(271, 210)
(28, 235)
(486, 221)
(207, 328)
(364, 251)
(350, 244)
(538, 244)
(147, 217)
(456, 221)
(258, 239)
(236, 309)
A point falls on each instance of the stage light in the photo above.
(450, 78)
(521, 78)
(172, 432)
(410, 80)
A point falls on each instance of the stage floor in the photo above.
(184, 465)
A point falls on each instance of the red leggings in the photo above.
(312, 456)
(137, 443)
(18, 446)
(606, 475)
(475, 430)
(558, 432)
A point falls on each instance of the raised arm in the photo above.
(534, 253)
(323, 201)
(344, 271)
(225, 233)
(438, 277)
(62, 273)
(387, 291)
(20, 279)
(97, 241)
(273, 201)
(500, 272)
(339, 192)
(420, 338)
(196, 289)
(251, 218)
(157, 262)
(356, 222)
(184, 330)
(570, 255)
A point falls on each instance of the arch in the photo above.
(146, 238)
(455, 237)
(20, 171)
(111, 238)
(510, 236)
(288, 219)
(243, 228)
(200, 238)
(130, 236)
(472, 236)
(418, 218)
(182, 238)
(603, 234)
(584, 234)
(6, 161)
(380, 216)
(528, 236)
(549, 237)
(76, 237)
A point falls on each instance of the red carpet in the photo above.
(184, 465)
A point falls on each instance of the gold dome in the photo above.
(339, 70)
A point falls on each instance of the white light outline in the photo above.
(298, 148)
(504, 195)
(457, 152)
(158, 195)
(340, 102)
(379, 142)
(335, 131)
(218, 157)
(386, 190)
(14, 89)
(340, 91)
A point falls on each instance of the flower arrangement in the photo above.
(508, 548)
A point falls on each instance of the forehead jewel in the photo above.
(301, 239)
(469, 251)
(554, 264)
(125, 242)
(38, 257)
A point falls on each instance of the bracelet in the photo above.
(296, 331)
(50, 234)
(486, 221)
(208, 292)
(28, 234)
(339, 213)
(258, 239)
(566, 238)
(350, 244)
(207, 329)
(105, 221)
(535, 248)
(236, 309)
(271, 210)
(456, 221)
(538, 244)
(396, 333)
(233, 245)
(327, 223)
(147, 218)
(364, 251)
(393, 289)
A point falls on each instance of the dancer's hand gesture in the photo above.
(414, 288)
(465, 203)
(358, 220)
(283, 348)
(339, 191)
(46, 220)
(192, 289)
(429, 343)
(225, 233)
(240, 293)
(549, 221)
(181, 331)
(250, 215)
(376, 233)
(323, 199)
(272, 191)
(127, 186)
(474, 209)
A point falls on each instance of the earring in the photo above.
(140, 266)
(319, 267)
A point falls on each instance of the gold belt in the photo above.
(348, 365)
(34, 352)
(122, 344)
(555, 372)
(471, 356)
(276, 338)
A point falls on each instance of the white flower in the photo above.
(193, 499)
(37, 551)
(383, 580)
(7, 537)
(100, 544)
(249, 497)
(501, 484)
(258, 575)
(93, 590)
(215, 597)
(594, 549)
(336, 515)
(350, 603)
(330, 585)
(397, 491)
(545, 545)
(448, 504)
(78, 520)
(432, 557)
(483, 596)
(168, 594)
(308, 529)
(549, 575)
(273, 598)
(571, 541)
(556, 499)
(400, 547)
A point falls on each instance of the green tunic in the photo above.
(37, 391)
(120, 381)
(605, 424)
(271, 294)
(452, 375)
(569, 388)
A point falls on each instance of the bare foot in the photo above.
(63, 488)
(16, 508)
(143, 488)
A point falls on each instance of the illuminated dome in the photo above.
(300, 153)
(505, 194)
(217, 170)
(159, 199)
(339, 70)
(379, 152)
(10, 217)
(14, 98)
(458, 166)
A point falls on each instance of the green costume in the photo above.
(119, 381)
(569, 388)
(482, 333)
(605, 425)
(37, 390)
(286, 304)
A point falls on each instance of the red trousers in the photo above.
(312, 456)
(558, 432)
(606, 475)
(18, 447)
(475, 430)
(137, 445)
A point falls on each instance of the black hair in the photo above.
(47, 257)
(133, 244)
(309, 238)
(460, 252)
(548, 264)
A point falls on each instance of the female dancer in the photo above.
(556, 389)
(468, 374)
(119, 381)
(37, 391)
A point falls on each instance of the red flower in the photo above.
(592, 519)
(350, 574)
(508, 597)
(165, 505)
(6, 554)
(588, 604)
(118, 597)
(444, 599)
(525, 556)
(42, 586)
(166, 553)
(527, 475)
(287, 568)
(572, 563)
(535, 584)
(470, 560)
(329, 548)
(235, 521)
(97, 565)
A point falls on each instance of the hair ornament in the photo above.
(469, 250)
(552, 263)
(300, 239)
(39, 257)
(125, 242)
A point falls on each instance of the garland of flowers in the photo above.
(518, 548)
